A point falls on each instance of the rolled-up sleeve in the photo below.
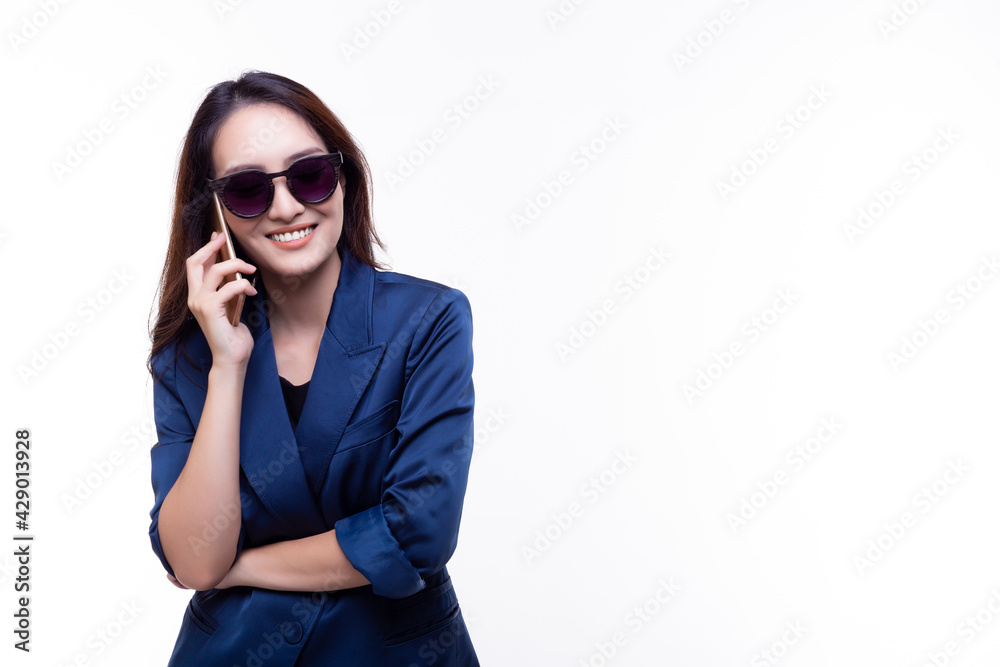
(414, 531)
(175, 432)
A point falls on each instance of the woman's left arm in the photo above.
(315, 563)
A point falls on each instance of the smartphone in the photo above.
(234, 308)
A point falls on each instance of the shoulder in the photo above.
(408, 284)
(407, 307)
(401, 291)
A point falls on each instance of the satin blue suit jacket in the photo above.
(389, 410)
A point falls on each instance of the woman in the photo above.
(311, 461)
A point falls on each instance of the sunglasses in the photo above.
(249, 193)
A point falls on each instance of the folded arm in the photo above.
(315, 563)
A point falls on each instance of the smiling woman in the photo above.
(290, 473)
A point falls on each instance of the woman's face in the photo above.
(270, 137)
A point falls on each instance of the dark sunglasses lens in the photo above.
(247, 194)
(313, 179)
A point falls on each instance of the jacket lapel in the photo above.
(345, 364)
(268, 452)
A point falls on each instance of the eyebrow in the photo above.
(288, 161)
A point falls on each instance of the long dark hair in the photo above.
(191, 225)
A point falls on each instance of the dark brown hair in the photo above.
(191, 225)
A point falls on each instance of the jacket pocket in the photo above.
(354, 479)
(425, 613)
(371, 428)
(197, 609)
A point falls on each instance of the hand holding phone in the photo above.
(234, 307)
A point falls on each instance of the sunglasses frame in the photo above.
(218, 185)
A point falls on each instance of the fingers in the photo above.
(231, 289)
(199, 261)
(210, 301)
(205, 274)
(206, 253)
(205, 259)
(216, 272)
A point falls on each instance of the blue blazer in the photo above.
(389, 414)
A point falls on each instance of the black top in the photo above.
(295, 398)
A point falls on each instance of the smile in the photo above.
(291, 236)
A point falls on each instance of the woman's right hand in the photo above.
(229, 344)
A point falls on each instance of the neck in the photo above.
(302, 303)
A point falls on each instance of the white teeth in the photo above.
(291, 236)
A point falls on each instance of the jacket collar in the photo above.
(350, 318)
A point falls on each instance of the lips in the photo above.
(294, 235)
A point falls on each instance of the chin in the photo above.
(302, 266)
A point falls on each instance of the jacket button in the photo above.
(292, 632)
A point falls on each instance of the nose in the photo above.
(284, 206)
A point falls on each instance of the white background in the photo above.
(816, 552)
